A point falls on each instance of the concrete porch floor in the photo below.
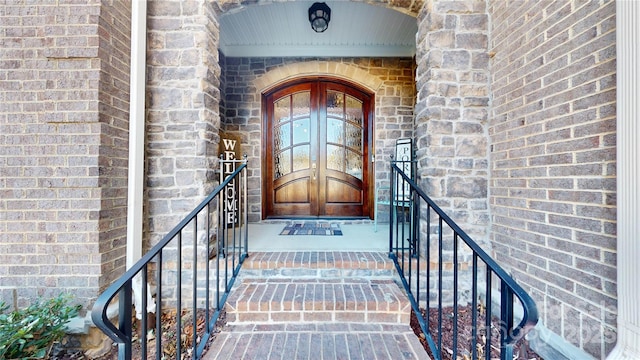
(360, 236)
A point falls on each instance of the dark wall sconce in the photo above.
(319, 16)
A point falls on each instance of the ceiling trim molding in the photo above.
(283, 74)
(313, 51)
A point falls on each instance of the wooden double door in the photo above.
(317, 150)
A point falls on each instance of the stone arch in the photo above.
(286, 73)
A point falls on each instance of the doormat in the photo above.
(312, 228)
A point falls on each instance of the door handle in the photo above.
(313, 166)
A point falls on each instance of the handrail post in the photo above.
(506, 321)
(391, 205)
(124, 321)
(245, 193)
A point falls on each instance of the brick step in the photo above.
(318, 264)
(316, 341)
(318, 300)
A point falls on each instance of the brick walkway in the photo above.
(317, 305)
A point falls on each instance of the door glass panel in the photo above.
(354, 137)
(282, 164)
(282, 137)
(335, 157)
(335, 131)
(335, 103)
(354, 164)
(281, 109)
(301, 157)
(301, 104)
(354, 110)
(301, 131)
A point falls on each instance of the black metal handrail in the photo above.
(419, 228)
(227, 204)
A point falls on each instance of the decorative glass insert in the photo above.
(335, 131)
(344, 133)
(292, 133)
(354, 137)
(301, 104)
(282, 110)
(282, 164)
(335, 157)
(301, 131)
(301, 157)
(335, 103)
(282, 137)
(291, 127)
(354, 164)
(353, 110)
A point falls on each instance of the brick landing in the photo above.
(317, 305)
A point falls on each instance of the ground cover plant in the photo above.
(30, 332)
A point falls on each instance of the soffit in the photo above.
(282, 29)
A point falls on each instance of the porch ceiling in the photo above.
(277, 29)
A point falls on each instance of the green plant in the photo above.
(29, 332)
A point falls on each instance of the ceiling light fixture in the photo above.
(319, 16)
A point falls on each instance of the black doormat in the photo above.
(312, 228)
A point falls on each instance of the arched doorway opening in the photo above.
(317, 140)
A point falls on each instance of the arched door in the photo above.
(317, 139)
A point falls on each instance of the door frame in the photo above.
(369, 150)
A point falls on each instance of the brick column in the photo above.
(64, 74)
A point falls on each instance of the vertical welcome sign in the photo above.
(403, 159)
(230, 151)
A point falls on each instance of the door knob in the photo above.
(313, 166)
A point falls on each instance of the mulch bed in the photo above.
(168, 319)
(465, 343)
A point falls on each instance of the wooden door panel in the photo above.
(290, 210)
(339, 191)
(295, 191)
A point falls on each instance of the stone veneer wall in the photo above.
(553, 161)
(183, 111)
(391, 79)
(452, 109)
(64, 95)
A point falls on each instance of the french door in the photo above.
(317, 136)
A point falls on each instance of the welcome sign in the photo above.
(230, 151)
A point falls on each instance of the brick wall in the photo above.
(553, 181)
(114, 31)
(63, 139)
(391, 78)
